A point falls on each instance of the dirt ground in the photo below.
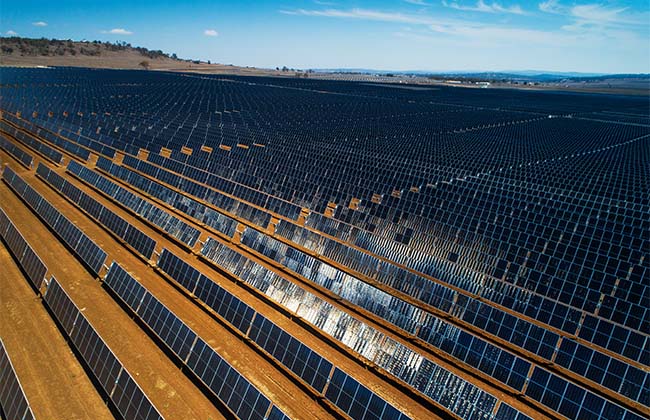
(52, 378)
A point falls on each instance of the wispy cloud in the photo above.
(417, 2)
(324, 3)
(551, 6)
(39, 23)
(472, 32)
(363, 14)
(210, 32)
(11, 33)
(481, 6)
(118, 31)
(595, 14)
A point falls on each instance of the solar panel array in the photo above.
(13, 402)
(222, 201)
(30, 141)
(124, 230)
(224, 224)
(172, 225)
(115, 381)
(83, 247)
(235, 391)
(343, 391)
(28, 260)
(501, 227)
(403, 363)
(15, 151)
(67, 145)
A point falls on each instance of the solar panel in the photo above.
(85, 249)
(232, 389)
(115, 381)
(178, 229)
(137, 239)
(22, 251)
(21, 156)
(43, 149)
(192, 208)
(13, 401)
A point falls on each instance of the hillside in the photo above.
(29, 52)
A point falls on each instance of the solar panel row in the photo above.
(65, 144)
(614, 374)
(232, 388)
(42, 148)
(193, 171)
(400, 361)
(193, 208)
(222, 201)
(294, 355)
(628, 380)
(15, 151)
(13, 402)
(133, 236)
(622, 377)
(84, 247)
(175, 227)
(24, 254)
(113, 378)
(423, 375)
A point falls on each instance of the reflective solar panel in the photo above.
(232, 388)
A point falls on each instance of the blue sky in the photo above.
(610, 36)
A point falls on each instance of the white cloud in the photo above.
(210, 32)
(118, 31)
(481, 6)
(552, 6)
(417, 2)
(39, 23)
(595, 14)
(11, 33)
(363, 14)
(472, 33)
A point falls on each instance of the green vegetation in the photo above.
(57, 47)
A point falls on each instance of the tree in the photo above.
(174, 56)
(144, 64)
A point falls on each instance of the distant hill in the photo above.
(30, 52)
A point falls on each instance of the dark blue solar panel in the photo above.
(233, 389)
(24, 254)
(116, 382)
(140, 241)
(13, 401)
(91, 254)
